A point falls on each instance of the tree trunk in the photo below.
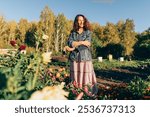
(37, 46)
(56, 41)
(62, 39)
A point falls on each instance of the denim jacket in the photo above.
(81, 53)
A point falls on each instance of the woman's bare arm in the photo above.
(86, 43)
(67, 48)
(78, 43)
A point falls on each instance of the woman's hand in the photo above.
(86, 43)
(67, 48)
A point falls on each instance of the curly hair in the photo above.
(86, 23)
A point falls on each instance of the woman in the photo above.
(81, 68)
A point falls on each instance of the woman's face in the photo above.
(81, 21)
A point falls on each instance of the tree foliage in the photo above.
(142, 46)
(47, 19)
(120, 39)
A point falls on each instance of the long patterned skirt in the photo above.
(83, 76)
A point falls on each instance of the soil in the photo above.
(113, 82)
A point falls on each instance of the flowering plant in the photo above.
(50, 93)
(46, 57)
(20, 48)
(45, 37)
(40, 39)
(45, 42)
(13, 43)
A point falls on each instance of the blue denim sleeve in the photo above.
(88, 37)
(70, 40)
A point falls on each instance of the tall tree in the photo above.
(142, 46)
(111, 34)
(60, 32)
(47, 20)
(3, 32)
(97, 39)
(22, 28)
(30, 39)
(12, 26)
(128, 37)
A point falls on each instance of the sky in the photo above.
(98, 11)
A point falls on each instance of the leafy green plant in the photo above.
(137, 87)
(21, 75)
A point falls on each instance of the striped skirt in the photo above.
(83, 76)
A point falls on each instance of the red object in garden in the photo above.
(75, 92)
(22, 47)
(13, 43)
